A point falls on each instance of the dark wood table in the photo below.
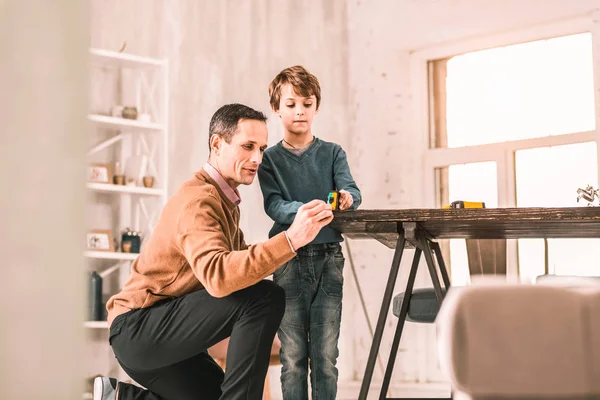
(420, 228)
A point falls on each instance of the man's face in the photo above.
(297, 112)
(238, 161)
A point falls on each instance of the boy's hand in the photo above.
(309, 220)
(346, 200)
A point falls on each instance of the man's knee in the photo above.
(269, 295)
(274, 294)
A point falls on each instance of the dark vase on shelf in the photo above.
(95, 299)
(130, 241)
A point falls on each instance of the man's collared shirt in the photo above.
(232, 194)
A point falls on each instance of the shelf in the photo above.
(116, 122)
(123, 60)
(110, 255)
(96, 324)
(108, 187)
(144, 81)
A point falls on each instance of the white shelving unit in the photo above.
(110, 255)
(96, 324)
(122, 123)
(124, 60)
(105, 187)
(133, 81)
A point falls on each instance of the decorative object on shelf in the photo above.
(117, 111)
(96, 312)
(588, 194)
(148, 181)
(136, 169)
(99, 173)
(130, 241)
(118, 177)
(130, 112)
(126, 246)
(100, 240)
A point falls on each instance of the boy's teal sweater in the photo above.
(288, 181)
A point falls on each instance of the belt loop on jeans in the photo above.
(314, 249)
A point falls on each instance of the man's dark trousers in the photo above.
(164, 347)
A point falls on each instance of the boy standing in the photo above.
(295, 171)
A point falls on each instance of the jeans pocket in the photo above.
(288, 277)
(333, 275)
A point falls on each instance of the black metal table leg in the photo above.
(435, 279)
(385, 306)
(401, 319)
(423, 245)
(441, 263)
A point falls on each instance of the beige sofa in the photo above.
(509, 341)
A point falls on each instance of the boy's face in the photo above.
(296, 112)
(238, 161)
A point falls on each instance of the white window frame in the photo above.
(501, 153)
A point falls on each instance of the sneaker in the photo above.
(105, 388)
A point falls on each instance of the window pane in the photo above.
(521, 91)
(550, 177)
(470, 182)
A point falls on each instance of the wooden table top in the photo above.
(473, 223)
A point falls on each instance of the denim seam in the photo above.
(286, 267)
(286, 271)
(328, 259)
(316, 375)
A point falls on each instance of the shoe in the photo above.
(105, 388)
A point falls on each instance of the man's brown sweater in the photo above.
(196, 244)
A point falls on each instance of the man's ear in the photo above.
(215, 143)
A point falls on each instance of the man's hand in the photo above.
(309, 220)
(346, 200)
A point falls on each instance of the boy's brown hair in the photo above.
(303, 82)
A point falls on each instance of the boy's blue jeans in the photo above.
(310, 328)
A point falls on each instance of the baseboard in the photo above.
(350, 389)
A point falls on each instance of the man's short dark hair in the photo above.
(225, 120)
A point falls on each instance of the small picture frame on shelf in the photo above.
(99, 173)
(100, 240)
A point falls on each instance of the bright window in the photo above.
(525, 94)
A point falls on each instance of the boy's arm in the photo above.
(343, 178)
(205, 246)
(280, 210)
